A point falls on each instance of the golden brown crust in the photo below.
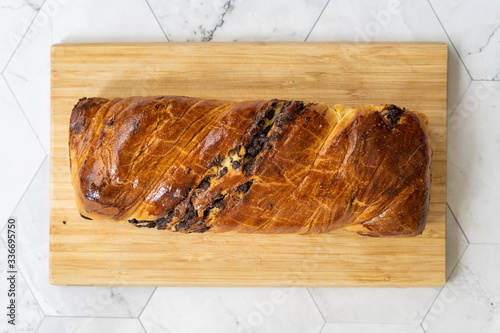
(192, 165)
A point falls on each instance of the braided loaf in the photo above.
(262, 166)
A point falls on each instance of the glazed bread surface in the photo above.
(261, 166)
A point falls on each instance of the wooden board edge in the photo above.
(225, 284)
(53, 50)
(57, 46)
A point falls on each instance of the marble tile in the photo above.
(15, 18)
(94, 325)
(231, 310)
(470, 301)
(473, 159)
(474, 28)
(372, 328)
(191, 20)
(32, 216)
(21, 153)
(257, 20)
(393, 21)
(374, 305)
(456, 242)
(63, 21)
(29, 315)
(237, 20)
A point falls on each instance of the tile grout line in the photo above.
(19, 269)
(430, 306)
(437, 296)
(40, 325)
(314, 25)
(27, 187)
(458, 261)
(459, 101)
(453, 214)
(26, 117)
(451, 273)
(22, 38)
(146, 304)
(317, 307)
(142, 325)
(322, 327)
(157, 21)
(451, 42)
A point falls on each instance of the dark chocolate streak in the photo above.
(393, 115)
(257, 136)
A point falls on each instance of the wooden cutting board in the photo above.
(84, 252)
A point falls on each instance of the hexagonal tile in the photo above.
(32, 215)
(473, 159)
(29, 314)
(21, 153)
(372, 328)
(374, 305)
(15, 18)
(231, 310)
(237, 20)
(71, 22)
(474, 28)
(94, 325)
(456, 242)
(393, 21)
(470, 301)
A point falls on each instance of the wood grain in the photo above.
(84, 252)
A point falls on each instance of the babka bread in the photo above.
(261, 166)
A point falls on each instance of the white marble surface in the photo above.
(371, 328)
(93, 325)
(15, 18)
(374, 305)
(237, 20)
(68, 21)
(469, 302)
(19, 162)
(473, 162)
(214, 310)
(474, 29)
(33, 257)
(456, 242)
(32, 314)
